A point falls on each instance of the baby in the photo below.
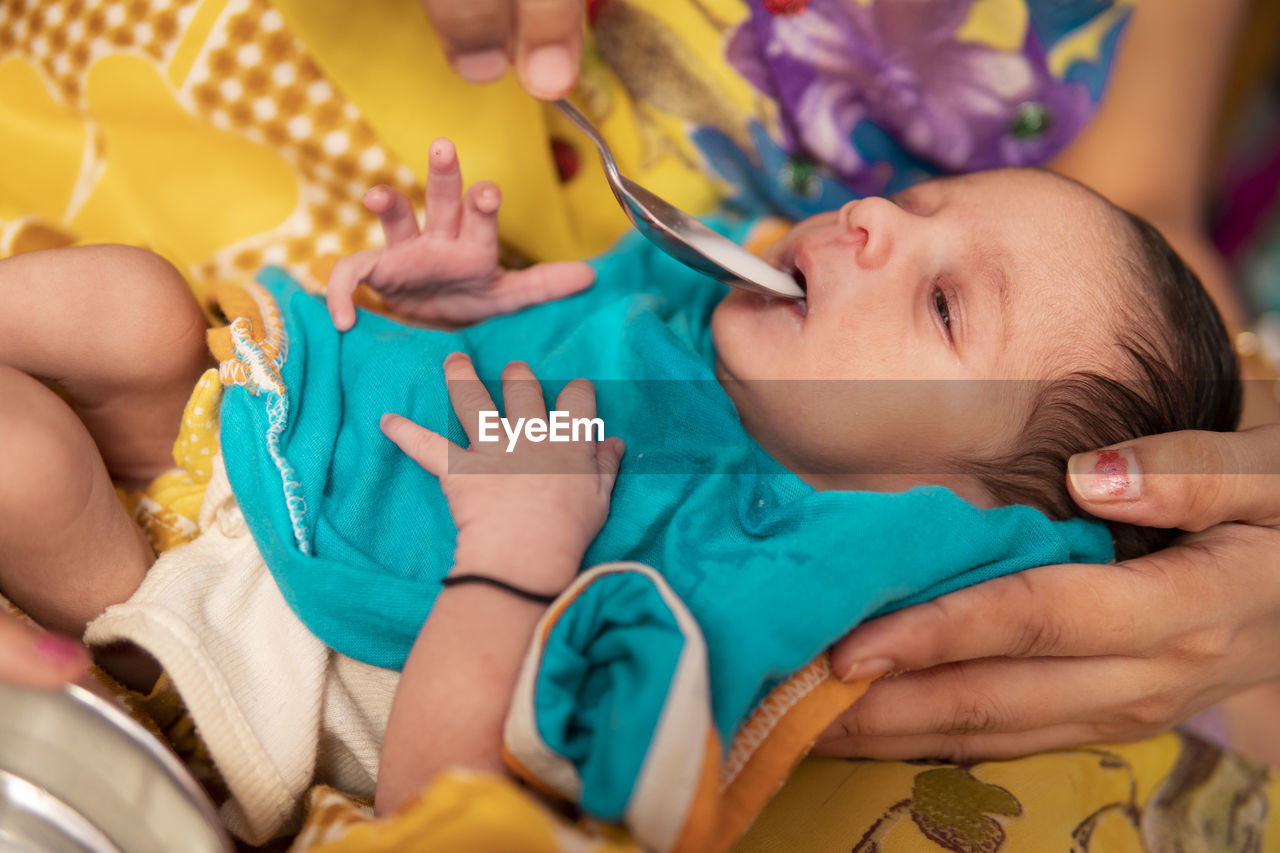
(972, 332)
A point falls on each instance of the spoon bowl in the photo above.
(682, 236)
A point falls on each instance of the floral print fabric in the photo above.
(875, 96)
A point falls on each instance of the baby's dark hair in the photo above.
(1173, 339)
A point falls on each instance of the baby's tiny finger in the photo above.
(427, 448)
(541, 283)
(394, 211)
(522, 393)
(345, 277)
(578, 398)
(467, 393)
(480, 212)
(444, 190)
(609, 460)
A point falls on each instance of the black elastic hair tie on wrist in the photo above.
(535, 597)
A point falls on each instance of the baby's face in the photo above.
(1001, 275)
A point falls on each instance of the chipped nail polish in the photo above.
(1106, 475)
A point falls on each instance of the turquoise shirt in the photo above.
(358, 536)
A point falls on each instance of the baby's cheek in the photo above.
(755, 339)
(726, 323)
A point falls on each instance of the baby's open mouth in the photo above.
(789, 260)
(798, 275)
(789, 263)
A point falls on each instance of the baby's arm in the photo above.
(445, 272)
(524, 518)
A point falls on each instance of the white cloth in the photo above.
(277, 709)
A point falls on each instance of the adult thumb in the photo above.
(1189, 480)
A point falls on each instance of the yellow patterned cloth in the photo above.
(167, 509)
(463, 812)
(209, 131)
(1169, 793)
(226, 134)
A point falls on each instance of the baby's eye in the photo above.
(942, 305)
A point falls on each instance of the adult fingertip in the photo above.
(862, 669)
(548, 72)
(1111, 475)
(480, 66)
(62, 654)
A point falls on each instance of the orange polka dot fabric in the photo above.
(65, 38)
(257, 80)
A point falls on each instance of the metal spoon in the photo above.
(679, 234)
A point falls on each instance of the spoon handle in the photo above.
(606, 156)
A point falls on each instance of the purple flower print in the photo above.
(898, 63)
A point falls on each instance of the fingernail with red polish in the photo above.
(869, 668)
(61, 651)
(1106, 475)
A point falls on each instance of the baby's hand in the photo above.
(446, 271)
(526, 516)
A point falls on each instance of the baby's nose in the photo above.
(871, 224)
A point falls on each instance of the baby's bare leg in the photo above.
(117, 333)
(67, 548)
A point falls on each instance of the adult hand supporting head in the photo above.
(34, 658)
(1066, 655)
(542, 38)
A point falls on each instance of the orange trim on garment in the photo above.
(703, 820)
(530, 778)
(793, 724)
(252, 338)
(550, 619)
(732, 791)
